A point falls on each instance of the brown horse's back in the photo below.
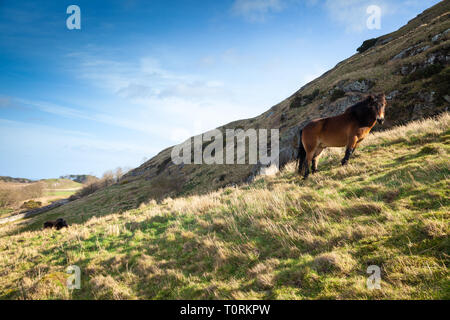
(328, 132)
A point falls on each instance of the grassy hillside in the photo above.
(277, 238)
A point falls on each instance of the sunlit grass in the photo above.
(278, 238)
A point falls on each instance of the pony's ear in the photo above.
(371, 98)
(377, 97)
(381, 96)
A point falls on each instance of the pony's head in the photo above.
(61, 223)
(379, 104)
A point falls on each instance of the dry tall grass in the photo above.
(277, 238)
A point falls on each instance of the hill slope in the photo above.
(277, 238)
(410, 65)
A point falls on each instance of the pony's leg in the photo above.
(308, 161)
(306, 168)
(351, 145)
(315, 159)
(310, 144)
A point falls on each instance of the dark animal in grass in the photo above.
(58, 224)
(345, 130)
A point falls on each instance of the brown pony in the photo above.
(58, 224)
(345, 130)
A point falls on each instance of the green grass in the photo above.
(60, 184)
(278, 238)
(4, 212)
(63, 194)
(63, 188)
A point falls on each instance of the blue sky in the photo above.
(141, 76)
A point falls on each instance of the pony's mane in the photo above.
(363, 103)
(362, 111)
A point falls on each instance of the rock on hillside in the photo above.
(411, 65)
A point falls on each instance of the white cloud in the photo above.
(67, 151)
(161, 104)
(256, 10)
(74, 139)
(131, 121)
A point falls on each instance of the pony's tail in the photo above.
(301, 154)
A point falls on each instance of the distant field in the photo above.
(60, 193)
(55, 184)
(59, 188)
(44, 191)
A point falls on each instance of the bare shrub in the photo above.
(31, 204)
(92, 185)
(12, 195)
(118, 174)
(8, 198)
(32, 191)
(90, 180)
(108, 178)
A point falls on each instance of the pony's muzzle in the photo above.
(380, 120)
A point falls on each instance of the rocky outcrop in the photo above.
(341, 105)
(289, 143)
(411, 51)
(361, 86)
(441, 56)
(391, 95)
(441, 36)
